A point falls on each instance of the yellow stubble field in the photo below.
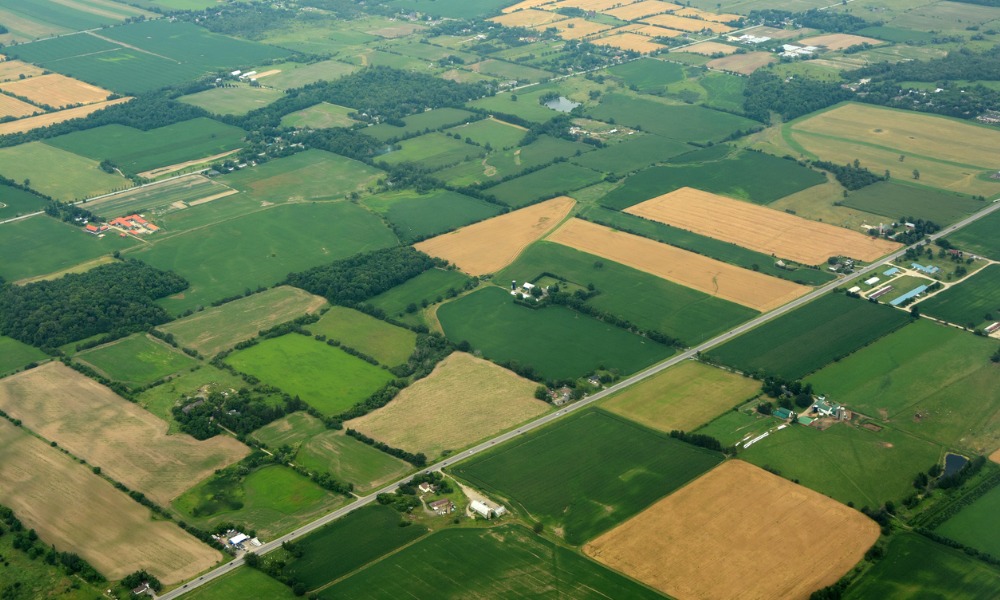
(575, 28)
(686, 24)
(12, 107)
(11, 70)
(710, 48)
(744, 64)
(56, 90)
(631, 12)
(528, 17)
(29, 123)
(629, 41)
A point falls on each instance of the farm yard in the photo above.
(814, 538)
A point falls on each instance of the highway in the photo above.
(570, 408)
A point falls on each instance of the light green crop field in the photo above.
(238, 583)
(510, 71)
(136, 360)
(498, 134)
(43, 18)
(388, 344)
(426, 287)
(15, 202)
(15, 354)
(159, 198)
(681, 122)
(160, 399)
(500, 164)
(682, 397)
(933, 381)
(976, 525)
(319, 116)
(43, 245)
(75, 179)
(980, 236)
(555, 180)
(975, 302)
(237, 100)
(432, 151)
(326, 378)
(294, 75)
(632, 154)
(417, 216)
(647, 74)
(895, 200)
(309, 175)
(424, 122)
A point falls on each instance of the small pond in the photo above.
(953, 463)
(562, 104)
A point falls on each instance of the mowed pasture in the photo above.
(15, 355)
(759, 228)
(976, 525)
(76, 178)
(808, 338)
(309, 175)
(974, 302)
(894, 200)
(106, 527)
(559, 474)
(416, 216)
(237, 582)
(236, 100)
(980, 236)
(648, 75)
(725, 524)
(555, 180)
(683, 397)
(294, 75)
(499, 165)
(431, 151)
(490, 245)
(55, 90)
(718, 279)
(555, 342)
(16, 202)
(386, 343)
(319, 116)
(498, 134)
(219, 328)
(930, 380)
(327, 378)
(128, 443)
(645, 300)
(681, 122)
(136, 361)
(507, 561)
(465, 399)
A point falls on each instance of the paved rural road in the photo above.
(550, 417)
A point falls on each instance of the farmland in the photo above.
(55, 90)
(128, 443)
(894, 200)
(43, 18)
(497, 134)
(326, 378)
(238, 100)
(402, 301)
(682, 397)
(929, 380)
(15, 355)
(219, 328)
(643, 299)
(974, 525)
(418, 216)
(507, 561)
(814, 538)
(319, 116)
(724, 281)
(555, 342)
(161, 198)
(293, 75)
(681, 122)
(388, 344)
(759, 228)
(972, 303)
(136, 361)
(431, 151)
(943, 572)
(463, 400)
(488, 246)
(15, 202)
(160, 399)
(498, 165)
(648, 75)
(109, 530)
(980, 236)
(238, 582)
(787, 346)
(309, 175)
(555, 180)
(425, 122)
(632, 154)
(77, 177)
(555, 474)
(29, 123)
(744, 64)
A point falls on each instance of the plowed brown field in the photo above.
(742, 286)
(491, 245)
(710, 539)
(759, 228)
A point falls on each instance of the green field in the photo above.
(294, 75)
(309, 175)
(425, 122)
(272, 500)
(319, 116)
(238, 583)
(523, 104)
(643, 299)
(161, 399)
(432, 151)
(388, 344)
(498, 165)
(510, 71)
(633, 154)
(348, 544)
(75, 179)
(456, 9)
(915, 567)
(43, 245)
(939, 373)
(28, 20)
(897, 35)
(845, 462)
(159, 198)
(558, 343)
(980, 236)
(974, 302)
(497, 134)
(15, 354)
(736, 425)
(261, 248)
(417, 216)
(237, 100)
(711, 247)
(897, 200)
(323, 450)
(137, 360)
(556, 180)
(976, 525)
(15, 202)
(648, 75)
(753, 176)
(424, 288)
(561, 473)
(326, 378)
(806, 339)
(135, 151)
(681, 122)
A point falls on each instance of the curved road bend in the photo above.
(550, 417)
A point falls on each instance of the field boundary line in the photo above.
(131, 47)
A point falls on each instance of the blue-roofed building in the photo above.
(890, 272)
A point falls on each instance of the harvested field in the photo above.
(79, 512)
(596, 5)
(744, 64)
(528, 17)
(708, 16)
(686, 24)
(995, 457)
(23, 125)
(11, 70)
(465, 399)
(531, 4)
(628, 41)
(128, 443)
(839, 41)
(576, 28)
(56, 90)
(12, 107)
(631, 12)
(490, 245)
(709, 48)
(759, 228)
(652, 30)
(749, 288)
(734, 519)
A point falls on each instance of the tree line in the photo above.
(766, 92)
(851, 176)
(27, 541)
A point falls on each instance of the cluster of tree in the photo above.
(851, 176)
(134, 580)
(766, 92)
(963, 64)
(953, 501)
(353, 280)
(921, 229)
(404, 503)
(417, 460)
(26, 540)
(431, 349)
(825, 20)
(788, 393)
(242, 19)
(435, 479)
(70, 213)
(346, 142)
(114, 298)
(698, 439)
(3, 30)
(241, 413)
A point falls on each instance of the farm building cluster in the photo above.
(237, 540)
